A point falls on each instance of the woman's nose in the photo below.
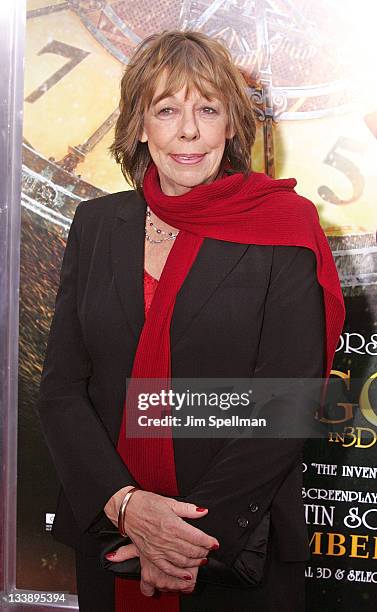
(188, 127)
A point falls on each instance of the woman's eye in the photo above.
(165, 111)
(209, 110)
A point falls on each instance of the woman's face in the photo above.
(186, 139)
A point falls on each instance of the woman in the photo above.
(243, 284)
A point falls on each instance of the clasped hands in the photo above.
(170, 550)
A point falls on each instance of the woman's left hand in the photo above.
(152, 578)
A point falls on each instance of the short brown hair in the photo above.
(190, 59)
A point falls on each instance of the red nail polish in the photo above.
(201, 509)
(204, 562)
(187, 577)
(110, 555)
(215, 547)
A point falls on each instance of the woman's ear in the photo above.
(230, 132)
(143, 137)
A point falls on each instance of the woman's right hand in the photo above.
(155, 524)
(152, 578)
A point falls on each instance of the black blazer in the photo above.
(243, 310)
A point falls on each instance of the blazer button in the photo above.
(242, 521)
(253, 507)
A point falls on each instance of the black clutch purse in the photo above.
(246, 572)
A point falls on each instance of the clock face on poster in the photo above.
(304, 61)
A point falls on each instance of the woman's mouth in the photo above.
(189, 159)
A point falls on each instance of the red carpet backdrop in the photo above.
(310, 69)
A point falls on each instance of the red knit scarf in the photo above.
(250, 210)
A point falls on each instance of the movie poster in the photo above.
(310, 71)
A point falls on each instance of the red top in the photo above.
(150, 285)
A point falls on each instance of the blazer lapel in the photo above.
(127, 256)
(215, 260)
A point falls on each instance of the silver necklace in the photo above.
(168, 235)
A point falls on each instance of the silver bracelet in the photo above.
(122, 511)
